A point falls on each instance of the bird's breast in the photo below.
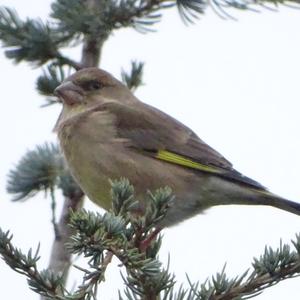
(89, 149)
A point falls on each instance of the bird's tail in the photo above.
(268, 198)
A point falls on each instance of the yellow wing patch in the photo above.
(186, 162)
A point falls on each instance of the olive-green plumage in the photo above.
(106, 133)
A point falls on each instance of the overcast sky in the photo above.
(235, 83)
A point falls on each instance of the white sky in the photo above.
(234, 83)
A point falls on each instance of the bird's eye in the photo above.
(90, 85)
(94, 85)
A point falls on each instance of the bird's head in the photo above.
(89, 87)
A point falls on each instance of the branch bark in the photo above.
(92, 45)
(60, 259)
(91, 52)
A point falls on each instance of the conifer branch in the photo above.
(120, 233)
(134, 78)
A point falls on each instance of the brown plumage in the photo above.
(106, 133)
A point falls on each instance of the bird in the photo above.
(105, 133)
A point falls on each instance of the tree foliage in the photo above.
(122, 234)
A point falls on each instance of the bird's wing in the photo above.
(163, 137)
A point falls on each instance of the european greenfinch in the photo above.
(105, 132)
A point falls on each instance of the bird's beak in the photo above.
(69, 93)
